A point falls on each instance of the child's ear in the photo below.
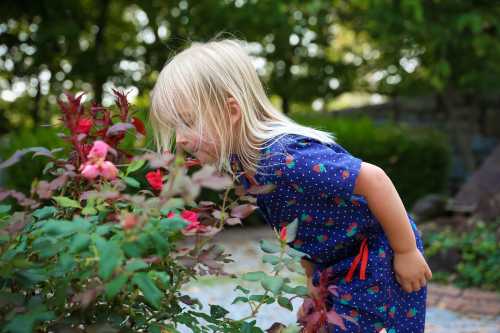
(235, 110)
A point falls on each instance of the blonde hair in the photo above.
(199, 79)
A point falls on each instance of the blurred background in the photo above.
(409, 85)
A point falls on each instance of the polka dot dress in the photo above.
(314, 183)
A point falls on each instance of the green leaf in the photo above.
(272, 283)
(295, 253)
(244, 290)
(254, 276)
(298, 290)
(269, 247)
(217, 311)
(173, 224)
(4, 209)
(44, 212)
(285, 302)
(26, 322)
(114, 286)
(110, 256)
(171, 204)
(268, 258)
(240, 299)
(89, 210)
(262, 299)
(131, 182)
(291, 230)
(162, 277)
(151, 292)
(135, 165)
(135, 265)
(79, 242)
(66, 202)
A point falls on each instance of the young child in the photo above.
(209, 100)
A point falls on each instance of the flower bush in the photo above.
(101, 243)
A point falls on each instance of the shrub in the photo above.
(99, 243)
(477, 252)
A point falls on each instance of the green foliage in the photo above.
(478, 250)
(101, 249)
(22, 174)
(417, 161)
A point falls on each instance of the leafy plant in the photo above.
(477, 250)
(91, 248)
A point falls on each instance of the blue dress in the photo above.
(314, 183)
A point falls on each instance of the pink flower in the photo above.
(83, 126)
(99, 150)
(89, 171)
(108, 170)
(155, 180)
(96, 164)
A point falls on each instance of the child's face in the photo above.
(201, 147)
(204, 148)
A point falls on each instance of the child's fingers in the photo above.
(415, 285)
(423, 282)
(404, 284)
(428, 274)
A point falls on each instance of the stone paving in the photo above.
(449, 309)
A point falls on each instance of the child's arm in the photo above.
(384, 202)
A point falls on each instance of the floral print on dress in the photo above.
(315, 184)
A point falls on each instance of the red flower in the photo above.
(83, 126)
(139, 125)
(154, 179)
(194, 225)
(283, 234)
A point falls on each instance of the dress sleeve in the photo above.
(313, 168)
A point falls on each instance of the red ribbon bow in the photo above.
(363, 257)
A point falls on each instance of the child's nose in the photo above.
(181, 140)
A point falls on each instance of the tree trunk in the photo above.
(285, 104)
(36, 106)
(99, 78)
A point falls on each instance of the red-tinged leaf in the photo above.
(349, 318)
(58, 182)
(211, 231)
(158, 160)
(139, 125)
(16, 157)
(43, 190)
(16, 223)
(261, 189)
(334, 318)
(243, 211)
(187, 261)
(192, 162)
(248, 198)
(118, 128)
(233, 221)
(217, 214)
(20, 197)
(333, 290)
(208, 177)
(88, 296)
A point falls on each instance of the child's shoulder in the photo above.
(289, 145)
(296, 155)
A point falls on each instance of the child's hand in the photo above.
(412, 271)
